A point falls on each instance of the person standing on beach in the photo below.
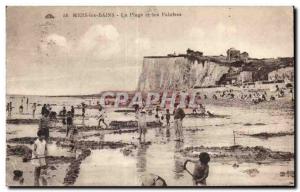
(7, 107)
(142, 125)
(156, 110)
(168, 117)
(63, 114)
(64, 111)
(292, 94)
(27, 102)
(72, 111)
(69, 122)
(44, 110)
(101, 117)
(44, 125)
(178, 118)
(83, 110)
(10, 109)
(33, 109)
(39, 154)
(157, 118)
(21, 109)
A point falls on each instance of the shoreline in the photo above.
(282, 104)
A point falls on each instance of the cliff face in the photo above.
(207, 73)
(161, 73)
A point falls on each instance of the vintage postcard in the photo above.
(150, 96)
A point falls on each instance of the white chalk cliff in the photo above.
(181, 73)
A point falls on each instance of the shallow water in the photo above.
(112, 167)
(162, 158)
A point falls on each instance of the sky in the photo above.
(86, 55)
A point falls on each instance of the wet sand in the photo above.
(116, 157)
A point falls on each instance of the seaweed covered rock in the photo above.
(123, 124)
(30, 140)
(131, 124)
(22, 121)
(59, 159)
(22, 140)
(265, 135)
(239, 153)
(19, 150)
(74, 167)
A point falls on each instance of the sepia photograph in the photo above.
(150, 96)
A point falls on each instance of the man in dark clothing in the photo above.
(64, 111)
(69, 122)
(83, 109)
(168, 116)
(44, 110)
(178, 117)
(63, 114)
(44, 125)
(72, 111)
(21, 109)
(10, 109)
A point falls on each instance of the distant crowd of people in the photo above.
(254, 96)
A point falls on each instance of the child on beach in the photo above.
(18, 178)
(201, 169)
(157, 115)
(39, 154)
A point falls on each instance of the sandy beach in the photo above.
(246, 140)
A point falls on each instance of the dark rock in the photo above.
(19, 150)
(22, 121)
(244, 154)
(74, 167)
